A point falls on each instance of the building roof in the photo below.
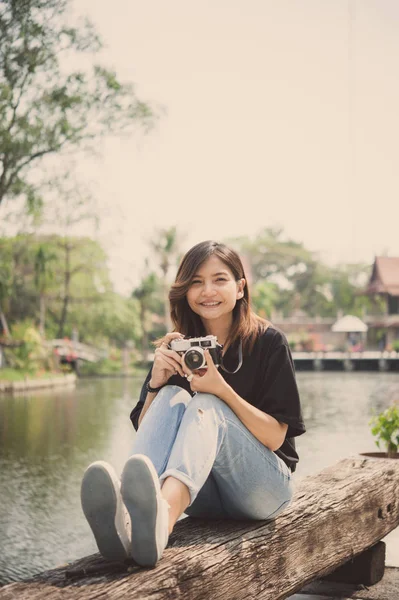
(385, 276)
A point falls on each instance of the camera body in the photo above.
(192, 350)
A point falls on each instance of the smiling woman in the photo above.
(213, 444)
(213, 294)
(213, 273)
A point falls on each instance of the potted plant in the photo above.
(385, 428)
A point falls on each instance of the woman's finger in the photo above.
(165, 350)
(194, 382)
(171, 336)
(163, 360)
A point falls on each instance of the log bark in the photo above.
(335, 515)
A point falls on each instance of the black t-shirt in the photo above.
(266, 380)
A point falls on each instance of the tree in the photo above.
(264, 297)
(33, 278)
(166, 245)
(147, 294)
(83, 275)
(15, 269)
(68, 207)
(272, 256)
(110, 318)
(44, 275)
(303, 280)
(287, 264)
(5, 294)
(45, 108)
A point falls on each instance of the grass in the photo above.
(8, 374)
(106, 366)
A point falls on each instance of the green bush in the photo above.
(31, 355)
(106, 366)
(385, 427)
(395, 345)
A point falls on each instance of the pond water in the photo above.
(48, 439)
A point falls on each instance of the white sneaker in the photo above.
(149, 511)
(104, 510)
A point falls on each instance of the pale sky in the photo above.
(279, 112)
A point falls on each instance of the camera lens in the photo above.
(194, 359)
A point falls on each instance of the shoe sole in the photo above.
(140, 492)
(104, 513)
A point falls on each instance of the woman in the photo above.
(215, 443)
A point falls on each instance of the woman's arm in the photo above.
(166, 364)
(149, 398)
(264, 427)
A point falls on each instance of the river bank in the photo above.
(20, 382)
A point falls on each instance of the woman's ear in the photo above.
(240, 288)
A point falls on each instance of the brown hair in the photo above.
(246, 324)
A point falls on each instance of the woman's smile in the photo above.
(210, 304)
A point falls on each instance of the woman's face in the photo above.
(214, 291)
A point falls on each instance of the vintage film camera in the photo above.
(192, 350)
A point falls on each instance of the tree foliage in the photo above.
(272, 255)
(62, 282)
(94, 309)
(166, 246)
(149, 295)
(288, 277)
(45, 107)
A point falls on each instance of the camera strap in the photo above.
(239, 361)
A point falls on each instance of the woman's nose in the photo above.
(208, 289)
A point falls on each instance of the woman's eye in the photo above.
(221, 279)
(195, 281)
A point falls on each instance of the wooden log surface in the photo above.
(335, 515)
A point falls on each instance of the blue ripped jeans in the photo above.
(200, 441)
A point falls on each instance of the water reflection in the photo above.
(48, 439)
(46, 442)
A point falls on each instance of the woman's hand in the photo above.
(207, 380)
(166, 362)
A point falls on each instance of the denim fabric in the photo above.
(200, 441)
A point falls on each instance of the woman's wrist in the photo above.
(153, 386)
(223, 390)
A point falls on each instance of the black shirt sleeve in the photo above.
(280, 396)
(135, 414)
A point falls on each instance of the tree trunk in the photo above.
(42, 321)
(168, 320)
(4, 324)
(144, 338)
(165, 286)
(67, 283)
(335, 515)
